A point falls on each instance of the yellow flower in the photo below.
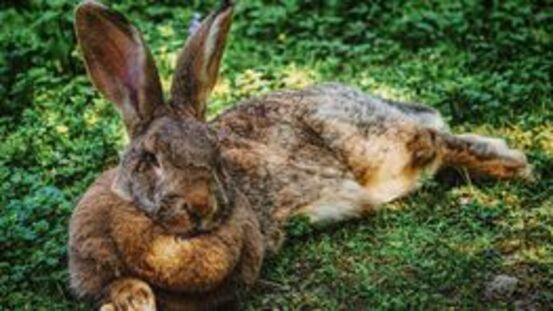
(250, 82)
(222, 88)
(166, 31)
(297, 78)
(90, 118)
(62, 129)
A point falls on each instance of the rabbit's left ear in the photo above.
(198, 64)
(119, 64)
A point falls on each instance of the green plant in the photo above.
(485, 64)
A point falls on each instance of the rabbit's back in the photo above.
(329, 144)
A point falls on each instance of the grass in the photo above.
(486, 65)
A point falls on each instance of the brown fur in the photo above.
(187, 218)
(111, 240)
(485, 156)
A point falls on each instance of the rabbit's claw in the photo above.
(132, 295)
(107, 307)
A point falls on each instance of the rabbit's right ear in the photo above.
(198, 63)
(119, 63)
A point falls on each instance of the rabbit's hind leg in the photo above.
(130, 294)
(485, 156)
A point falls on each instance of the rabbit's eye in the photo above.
(151, 159)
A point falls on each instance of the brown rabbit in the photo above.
(186, 219)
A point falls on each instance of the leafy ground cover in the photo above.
(487, 65)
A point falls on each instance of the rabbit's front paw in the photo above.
(130, 295)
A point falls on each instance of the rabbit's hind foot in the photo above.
(486, 156)
(130, 294)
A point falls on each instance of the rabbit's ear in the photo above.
(198, 64)
(119, 63)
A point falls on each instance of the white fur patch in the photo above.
(392, 188)
(435, 121)
(348, 201)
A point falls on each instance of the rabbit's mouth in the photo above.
(215, 212)
(182, 216)
(208, 222)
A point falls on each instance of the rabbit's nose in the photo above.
(199, 201)
(202, 209)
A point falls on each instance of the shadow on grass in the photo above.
(430, 249)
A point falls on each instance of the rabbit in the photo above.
(188, 216)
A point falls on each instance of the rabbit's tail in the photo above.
(484, 156)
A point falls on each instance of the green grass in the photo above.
(485, 64)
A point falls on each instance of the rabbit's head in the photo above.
(172, 168)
